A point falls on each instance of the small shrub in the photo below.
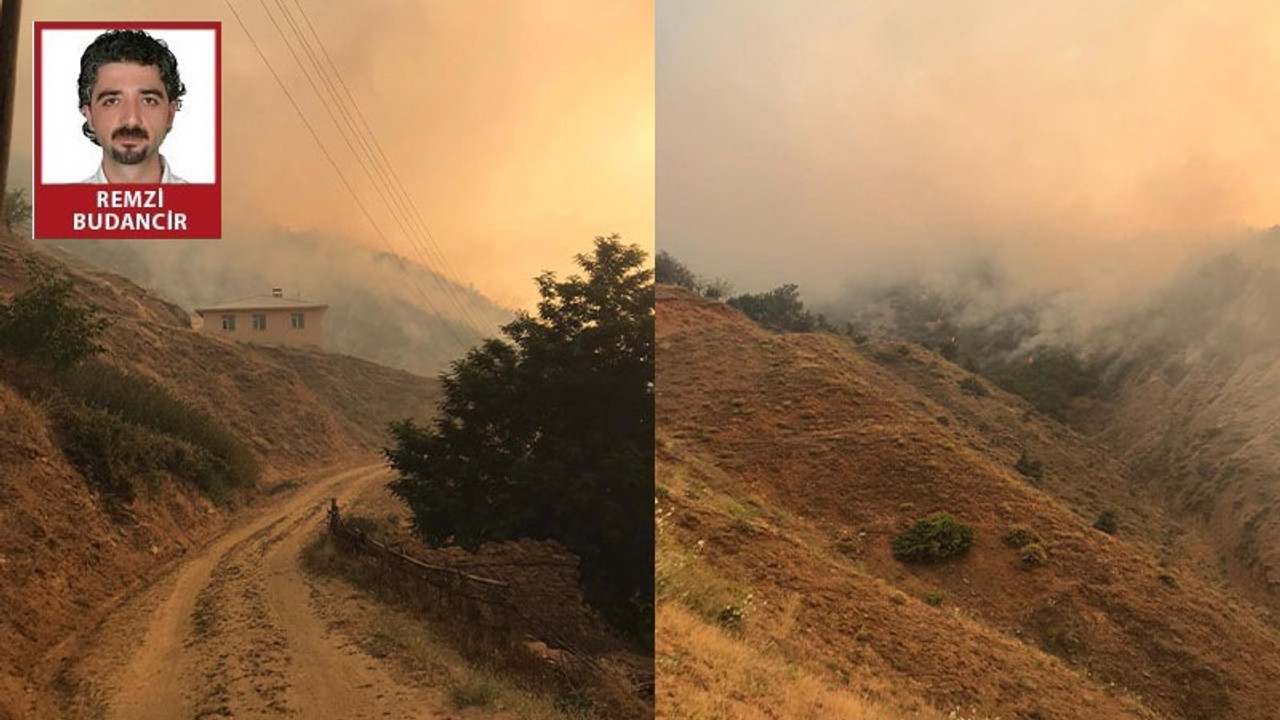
(937, 537)
(1020, 536)
(46, 324)
(1032, 555)
(974, 387)
(935, 598)
(1108, 521)
(475, 692)
(209, 456)
(731, 616)
(1033, 469)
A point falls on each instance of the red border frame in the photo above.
(204, 196)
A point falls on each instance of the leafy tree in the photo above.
(549, 434)
(780, 308)
(670, 271)
(46, 324)
(667, 269)
(17, 210)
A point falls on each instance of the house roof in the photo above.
(262, 302)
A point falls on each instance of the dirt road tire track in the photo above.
(233, 632)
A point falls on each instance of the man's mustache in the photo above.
(130, 131)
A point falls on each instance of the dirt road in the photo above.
(234, 633)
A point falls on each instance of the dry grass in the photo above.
(428, 659)
(704, 672)
(718, 658)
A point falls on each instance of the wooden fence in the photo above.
(488, 621)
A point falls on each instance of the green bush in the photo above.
(115, 455)
(937, 537)
(1020, 536)
(120, 431)
(1108, 521)
(778, 309)
(217, 461)
(1033, 469)
(45, 324)
(972, 386)
(667, 269)
(1032, 555)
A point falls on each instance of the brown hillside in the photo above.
(788, 462)
(65, 556)
(1196, 412)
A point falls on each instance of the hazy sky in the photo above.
(1094, 142)
(521, 129)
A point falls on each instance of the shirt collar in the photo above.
(166, 175)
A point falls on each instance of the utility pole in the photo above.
(10, 20)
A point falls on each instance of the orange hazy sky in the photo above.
(521, 130)
(814, 140)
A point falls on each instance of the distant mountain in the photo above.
(382, 307)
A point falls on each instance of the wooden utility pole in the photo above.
(10, 19)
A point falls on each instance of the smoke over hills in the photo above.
(382, 308)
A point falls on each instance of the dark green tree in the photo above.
(549, 434)
(667, 269)
(780, 309)
(934, 538)
(45, 323)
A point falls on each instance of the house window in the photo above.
(297, 321)
(229, 322)
(259, 321)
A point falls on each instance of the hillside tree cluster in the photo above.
(549, 434)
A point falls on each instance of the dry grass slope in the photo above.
(790, 472)
(63, 557)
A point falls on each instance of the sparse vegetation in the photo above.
(475, 691)
(1108, 521)
(119, 430)
(1032, 555)
(1020, 536)
(937, 537)
(1029, 468)
(17, 210)
(45, 324)
(973, 386)
(668, 270)
(778, 309)
(935, 598)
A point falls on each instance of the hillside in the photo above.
(786, 465)
(381, 307)
(67, 552)
(1195, 409)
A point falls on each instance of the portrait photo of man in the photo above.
(130, 93)
(143, 110)
(143, 116)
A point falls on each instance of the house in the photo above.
(266, 319)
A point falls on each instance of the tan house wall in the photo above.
(279, 329)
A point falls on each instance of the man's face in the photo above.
(129, 111)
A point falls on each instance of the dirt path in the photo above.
(234, 633)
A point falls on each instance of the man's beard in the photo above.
(130, 156)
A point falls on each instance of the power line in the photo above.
(395, 202)
(448, 326)
(380, 155)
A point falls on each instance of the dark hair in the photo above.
(132, 46)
